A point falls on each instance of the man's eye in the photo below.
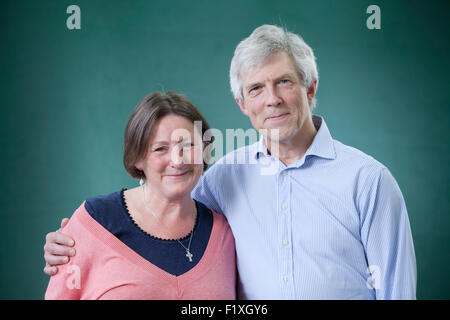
(284, 81)
(254, 90)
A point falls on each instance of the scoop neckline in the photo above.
(130, 218)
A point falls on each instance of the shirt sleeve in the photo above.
(387, 239)
(206, 192)
(71, 281)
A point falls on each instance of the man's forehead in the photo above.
(272, 67)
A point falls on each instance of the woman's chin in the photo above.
(179, 189)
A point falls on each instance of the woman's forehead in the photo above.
(172, 128)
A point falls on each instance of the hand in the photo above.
(57, 249)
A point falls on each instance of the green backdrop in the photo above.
(67, 94)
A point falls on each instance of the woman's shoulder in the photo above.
(104, 206)
(217, 219)
(104, 200)
(221, 237)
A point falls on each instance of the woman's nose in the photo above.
(176, 157)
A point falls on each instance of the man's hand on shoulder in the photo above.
(57, 249)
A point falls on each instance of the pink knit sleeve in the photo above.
(71, 281)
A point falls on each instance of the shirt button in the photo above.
(286, 278)
(285, 242)
(284, 207)
(284, 173)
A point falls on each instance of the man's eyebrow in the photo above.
(285, 75)
(251, 85)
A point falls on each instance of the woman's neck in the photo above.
(168, 211)
(159, 216)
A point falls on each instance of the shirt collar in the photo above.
(322, 145)
(261, 149)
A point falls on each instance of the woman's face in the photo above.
(173, 163)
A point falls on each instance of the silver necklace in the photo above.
(189, 255)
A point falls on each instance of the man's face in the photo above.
(275, 98)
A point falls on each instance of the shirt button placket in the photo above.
(284, 233)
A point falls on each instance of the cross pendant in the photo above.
(189, 255)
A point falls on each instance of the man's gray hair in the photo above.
(265, 41)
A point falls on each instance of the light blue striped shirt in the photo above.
(332, 225)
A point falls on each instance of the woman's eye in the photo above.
(160, 149)
(188, 145)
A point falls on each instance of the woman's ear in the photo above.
(139, 165)
(138, 170)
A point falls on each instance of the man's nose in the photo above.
(273, 98)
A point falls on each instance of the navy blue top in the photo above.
(112, 213)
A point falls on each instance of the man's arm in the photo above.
(206, 192)
(386, 236)
(57, 249)
(75, 280)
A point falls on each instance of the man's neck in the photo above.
(295, 148)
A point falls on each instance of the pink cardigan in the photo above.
(105, 268)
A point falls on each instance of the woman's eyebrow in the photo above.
(159, 142)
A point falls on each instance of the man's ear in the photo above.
(311, 91)
(242, 106)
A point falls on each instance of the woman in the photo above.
(152, 241)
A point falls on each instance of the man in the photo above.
(326, 221)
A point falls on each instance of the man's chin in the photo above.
(278, 135)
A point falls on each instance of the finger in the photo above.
(49, 270)
(53, 260)
(54, 249)
(59, 238)
(64, 222)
